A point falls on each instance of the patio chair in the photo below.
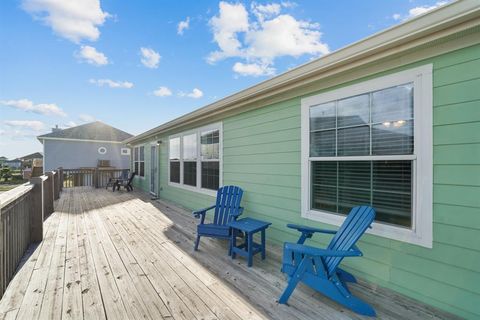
(127, 184)
(319, 268)
(112, 180)
(227, 208)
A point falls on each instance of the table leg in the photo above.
(263, 245)
(249, 250)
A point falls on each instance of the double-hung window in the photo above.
(195, 159)
(371, 144)
(139, 160)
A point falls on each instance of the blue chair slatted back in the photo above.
(228, 203)
(354, 226)
(125, 174)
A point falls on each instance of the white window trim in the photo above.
(197, 131)
(421, 232)
(138, 176)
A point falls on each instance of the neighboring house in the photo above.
(84, 145)
(392, 120)
(29, 159)
(14, 164)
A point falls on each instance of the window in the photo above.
(371, 144)
(174, 157)
(194, 159)
(190, 160)
(139, 160)
(210, 151)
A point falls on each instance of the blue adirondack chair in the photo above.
(319, 268)
(227, 208)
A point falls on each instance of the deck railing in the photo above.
(22, 212)
(89, 177)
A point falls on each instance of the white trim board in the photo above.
(421, 232)
(79, 140)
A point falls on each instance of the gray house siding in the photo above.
(78, 154)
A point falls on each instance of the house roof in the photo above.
(94, 131)
(36, 155)
(437, 24)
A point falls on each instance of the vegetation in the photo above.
(9, 178)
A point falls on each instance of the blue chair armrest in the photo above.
(310, 229)
(316, 252)
(201, 213)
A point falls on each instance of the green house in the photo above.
(392, 120)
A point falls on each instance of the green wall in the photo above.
(262, 155)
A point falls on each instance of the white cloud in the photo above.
(26, 124)
(150, 58)
(285, 36)
(416, 11)
(232, 19)
(86, 118)
(263, 11)
(195, 94)
(183, 25)
(92, 56)
(111, 83)
(41, 108)
(73, 20)
(162, 92)
(253, 69)
(269, 35)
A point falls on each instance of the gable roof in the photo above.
(36, 155)
(445, 21)
(96, 131)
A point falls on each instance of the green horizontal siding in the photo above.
(262, 155)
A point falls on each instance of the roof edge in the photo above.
(40, 138)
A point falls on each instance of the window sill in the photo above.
(378, 229)
(207, 192)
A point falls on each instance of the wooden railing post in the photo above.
(48, 194)
(61, 178)
(37, 209)
(57, 184)
(95, 178)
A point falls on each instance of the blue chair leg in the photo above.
(197, 241)
(292, 283)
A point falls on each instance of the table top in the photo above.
(249, 224)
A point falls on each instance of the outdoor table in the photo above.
(247, 249)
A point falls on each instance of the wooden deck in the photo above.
(121, 256)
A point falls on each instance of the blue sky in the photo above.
(137, 64)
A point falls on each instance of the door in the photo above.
(154, 170)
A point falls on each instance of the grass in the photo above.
(12, 182)
(6, 187)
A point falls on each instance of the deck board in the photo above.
(122, 256)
